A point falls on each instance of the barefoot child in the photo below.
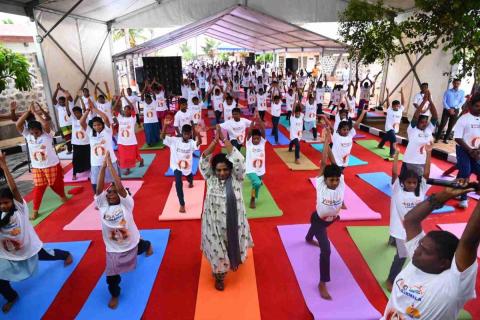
(290, 98)
(151, 126)
(276, 111)
(408, 190)
(229, 105)
(120, 234)
(182, 117)
(330, 187)
(261, 103)
(80, 143)
(255, 157)
(236, 128)
(310, 121)
(46, 168)
(392, 122)
(21, 248)
(296, 130)
(181, 157)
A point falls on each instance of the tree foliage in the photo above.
(224, 56)
(264, 57)
(187, 52)
(131, 34)
(14, 66)
(210, 47)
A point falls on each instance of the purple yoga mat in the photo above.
(348, 300)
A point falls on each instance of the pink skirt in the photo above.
(128, 156)
(121, 262)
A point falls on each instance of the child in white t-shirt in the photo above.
(255, 157)
(330, 188)
(276, 111)
(229, 105)
(310, 121)
(63, 106)
(80, 144)
(20, 247)
(290, 98)
(196, 110)
(236, 128)
(296, 130)
(261, 103)
(151, 124)
(182, 117)
(319, 96)
(218, 102)
(181, 157)
(119, 231)
(251, 99)
(335, 97)
(408, 190)
(392, 122)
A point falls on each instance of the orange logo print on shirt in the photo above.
(394, 315)
(197, 116)
(345, 158)
(474, 141)
(257, 163)
(183, 164)
(413, 312)
(299, 133)
(99, 150)
(11, 245)
(40, 156)
(149, 114)
(125, 132)
(80, 135)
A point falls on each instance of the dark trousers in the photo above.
(289, 114)
(114, 281)
(179, 185)
(6, 289)
(319, 108)
(466, 166)
(295, 142)
(275, 121)
(237, 145)
(218, 116)
(262, 115)
(314, 132)
(137, 116)
(451, 119)
(396, 266)
(318, 229)
(389, 136)
(202, 90)
(245, 92)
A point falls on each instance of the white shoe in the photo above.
(463, 204)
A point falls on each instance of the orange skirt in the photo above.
(128, 156)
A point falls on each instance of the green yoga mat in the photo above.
(284, 122)
(372, 244)
(50, 202)
(266, 207)
(139, 172)
(243, 151)
(156, 146)
(372, 146)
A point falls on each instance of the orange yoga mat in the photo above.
(193, 202)
(239, 300)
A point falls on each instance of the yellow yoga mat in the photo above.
(238, 301)
(289, 159)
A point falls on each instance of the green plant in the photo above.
(14, 66)
(223, 56)
(187, 53)
(264, 57)
(130, 35)
(210, 47)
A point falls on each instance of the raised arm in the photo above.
(54, 98)
(107, 89)
(388, 97)
(428, 161)
(433, 110)
(418, 111)
(395, 166)
(83, 119)
(166, 122)
(13, 109)
(211, 146)
(100, 113)
(21, 122)
(45, 122)
(95, 91)
(8, 176)
(69, 99)
(116, 178)
(402, 97)
(325, 153)
(359, 120)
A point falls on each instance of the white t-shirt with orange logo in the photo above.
(181, 153)
(79, 136)
(262, 102)
(100, 144)
(196, 112)
(392, 122)
(217, 102)
(227, 110)
(63, 119)
(150, 112)
(420, 295)
(126, 131)
(161, 101)
(342, 146)
(42, 154)
(236, 129)
(296, 127)
(329, 201)
(310, 112)
(417, 140)
(255, 157)
(468, 129)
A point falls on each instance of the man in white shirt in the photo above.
(441, 276)
(467, 137)
(419, 102)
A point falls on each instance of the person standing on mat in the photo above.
(392, 122)
(151, 125)
(442, 273)
(20, 247)
(467, 138)
(261, 103)
(255, 157)
(46, 168)
(310, 120)
(181, 157)
(290, 98)
(100, 136)
(63, 106)
(276, 112)
(226, 234)
(229, 105)
(218, 102)
(119, 231)
(182, 117)
(236, 128)
(80, 143)
(408, 190)
(453, 100)
(330, 187)
(296, 130)
(420, 133)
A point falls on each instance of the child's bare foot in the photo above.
(322, 287)
(74, 177)
(389, 285)
(142, 163)
(127, 172)
(190, 185)
(149, 251)
(68, 261)
(7, 306)
(182, 209)
(113, 303)
(34, 215)
(252, 203)
(312, 242)
(297, 161)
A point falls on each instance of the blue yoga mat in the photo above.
(38, 292)
(284, 122)
(352, 160)
(381, 181)
(282, 140)
(196, 160)
(136, 285)
(139, 172)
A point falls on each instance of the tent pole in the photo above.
(60, 20)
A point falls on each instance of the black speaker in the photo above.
(139, 75)
(166, 70)
(291, 64)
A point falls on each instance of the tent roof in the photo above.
(246, 28)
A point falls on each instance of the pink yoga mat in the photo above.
(83, 176)
(89, 218)
(437, 173)
(356, 208)
(348, 300)
(193, 202)
(457, 229)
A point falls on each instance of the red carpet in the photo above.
(174, 293)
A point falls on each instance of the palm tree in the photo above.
(130, 35)
(187, 53)
(210, 47)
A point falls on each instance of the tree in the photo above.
(371, 33)
(210, 47)
(130, 35)
(451, 25)
(14, 66)
(264, 57)
(187, 53)
(223, 56)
